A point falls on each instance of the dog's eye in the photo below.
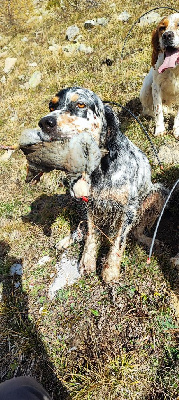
(162, 28)
(81, 105)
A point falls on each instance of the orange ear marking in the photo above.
(55, 100)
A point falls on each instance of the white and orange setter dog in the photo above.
(161, 85)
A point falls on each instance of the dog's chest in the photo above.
(168, 81)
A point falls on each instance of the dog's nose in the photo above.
(168, 36)
(47, 124)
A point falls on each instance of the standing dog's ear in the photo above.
(155, 46)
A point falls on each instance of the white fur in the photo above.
(162, 89)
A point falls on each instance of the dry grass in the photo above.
(98, 341)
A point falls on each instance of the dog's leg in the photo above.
(176, 126)
(146, 94)
(149, 212)
(158, 110)
(89, 256)
(111, 269)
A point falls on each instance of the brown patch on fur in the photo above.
(155, 39)
(65, 119)
(74, 97)
(112, 194)
(55, 100)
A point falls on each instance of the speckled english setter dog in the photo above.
(161, 85)
(82, 136)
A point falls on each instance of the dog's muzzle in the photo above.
(48, 124)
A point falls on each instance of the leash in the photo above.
(138, 20)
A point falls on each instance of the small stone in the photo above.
(43, 260)
(169, 154)
(3, 79)
(24, 39)
(90, 24)
(9, 64)
(102, 21)
(54, 48)
(150, 18)
(35, 79)
(33, 64)
(72, 32)
(124, 16)
(70, 48)
(16, 269)
(6, 156)
(85, 49)
(3, 54)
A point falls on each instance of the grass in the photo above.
(93, 341)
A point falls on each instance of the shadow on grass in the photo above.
(45, 210)
(23, 352)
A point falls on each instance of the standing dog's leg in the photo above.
(89, 256)
(158, 110)
(176, 126)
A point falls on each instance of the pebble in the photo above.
(150, 18)
(67, 274)
(9, 64)
(124, 16)
(35, 79)
(72, 32)
(16, 268)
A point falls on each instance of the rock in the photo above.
(85, 49)
(35, 79)
(102, 21)
(3, 79)
(67, 274)
(24, 39)
(33, 64)
(6, 156)
(124, 16)
(43, 260)
(3, 54)
(90, 23)
(94, 22)
(75, 47)
(54, 48)
(72, 32)
(169, 154)
(9, 64)
(16, 269)
(150, 18)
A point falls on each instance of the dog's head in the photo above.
(72, 136)
(165, 38)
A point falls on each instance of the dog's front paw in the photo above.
(110, 273)
(176, 133)
(87, 264)
(159, 130)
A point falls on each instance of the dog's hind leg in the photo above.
(149, 212)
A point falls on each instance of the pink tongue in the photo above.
(171, 59)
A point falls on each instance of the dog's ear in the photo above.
(112, 121)
(155, 46)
